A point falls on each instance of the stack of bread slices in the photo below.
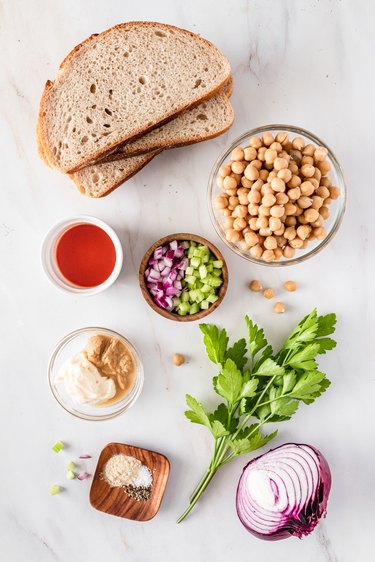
(123, 96)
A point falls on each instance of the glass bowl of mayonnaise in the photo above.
(95, 373)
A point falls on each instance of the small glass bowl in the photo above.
(337, 207)
(70, 345)
(48, 252)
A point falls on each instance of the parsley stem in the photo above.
(201, 488)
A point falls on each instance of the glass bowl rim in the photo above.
(341, 184)
(139, 379)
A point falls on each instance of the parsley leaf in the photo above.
(216, 342)
(196, 414)
(229, 382)
(238, 353)
(257, 340)
(326, 325)
(269, 368)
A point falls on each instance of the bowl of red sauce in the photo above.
(82, 255)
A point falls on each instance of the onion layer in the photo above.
(284, 492)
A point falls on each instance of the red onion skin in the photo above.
(299, 529)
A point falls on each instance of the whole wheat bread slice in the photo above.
(118, 85)
(101, 179)
(209, 119)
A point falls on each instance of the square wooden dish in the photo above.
(114, 500)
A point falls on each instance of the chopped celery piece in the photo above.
(210, 267)
(193, 243)
(216, 272)
(184, 307)
(205, 304)
(190, 270)
(70, 475)
(195, 262)
(176, 301)
(190, 279)
(206, 289)
(194, 308)
(218, 263)
(205, 258)
(58, 446)
(212, 298)
(185, 244)
(216, 282)
(185, 296)
(200, 296)
(202, 271)
(191, 252)
(197, 253)
(55, 490)
(71, 466)
(181, 312)
(193, 295)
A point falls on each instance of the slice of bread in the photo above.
(208, 120)
(101, 179)
(119, 85)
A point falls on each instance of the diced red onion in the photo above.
(284, 492)
(83, 475)
(85, 457)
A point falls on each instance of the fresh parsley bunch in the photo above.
(258, 387)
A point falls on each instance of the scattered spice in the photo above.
(255, 286)
(268, 293)
(139, 493)
(129, 473)
(178, 359)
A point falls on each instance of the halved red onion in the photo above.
(165, 272)
(284, 492)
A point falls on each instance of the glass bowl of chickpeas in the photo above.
(277, 195)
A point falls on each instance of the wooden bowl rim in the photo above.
(165, 474)
(171, 315)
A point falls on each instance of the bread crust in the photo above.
(99, 154)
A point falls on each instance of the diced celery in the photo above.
(71, 466)
(184, 307)
(202, 271)
(193, 243)
(195, 262)
(194, 308)
(192, 295)
(191, 252)
(205, 258)
(205, 304)
(206, 289)
(58, 446)
(200, 296)
(55, 490)
(197, 253)
(218, 263)
(212, 298)
(190, 279)
(176, 301)
(185, 244)
(70, 475)
(210, 267)
(185, 296)
(216, 282)
(217, 272)
(189, 270)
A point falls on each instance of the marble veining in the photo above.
(306, 62)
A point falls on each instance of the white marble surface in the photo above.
(304, 62)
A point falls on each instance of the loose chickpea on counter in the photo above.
(268, 293)
(290, 286)
(178, 359)
(279, 307)
(255, 286)
(275, 195)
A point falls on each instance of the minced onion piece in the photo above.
(284, 492)
(83, 475)
(85, 457)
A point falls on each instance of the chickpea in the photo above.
(253, 209)
(240, 211)
(308, 170)
(311, 215)
(298, 143)
(178, 359)
(319, 222)
(328, 201)
(251, 172)
(279, 307)
(284, 154)
(324, 212)
(323, 191)
(307, 188)
(303, 231)
(263, 174)
(290, 209)
(238, 167)
(257, 164)
(264, 211)
(266, 188)
(327, 182)
(268, 138)
(229, 182)
(290, 286)
(294, 182)
(255, 286)
(271, 175)
(278, 185)
(294, 193)
(251, 239)
(281, 241)
(268, 200)
(293, 167)
(282, 137)
(296, 155)
(309, 150)
(288, 252)
(226, 212)
(254, 196)
(237, 154)
(237, 177)
(296, 243)
(290, 221)
(257, 185)
(233, 235)
(320, 233)
(275, 223)
(270, 243)
(304, 202)
(307, 160)
(233, 201)
(268, 255)
(246, 183)
(334, 192)
(314, 182)
(220, 182)
(256, 251)
(255, 142)
(320, 154)
(278, 253)
(280, 163)
(284, 174)
(221, 202)
(324, 167)
(262, 222)
(270, 156)
(317, 202)
(225, 170)
(280, 231)
(245, 247)
(239, 224)
(268, 293)
(302, 220)
(261, 153)
(276, 146)
(290, 233)
(277, 211)
(250, 153)
(281, 198)
(252, 223)
(264, 232)
(243, 198)
(228, 223)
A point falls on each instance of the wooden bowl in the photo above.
(173, 315)
(114, 500)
